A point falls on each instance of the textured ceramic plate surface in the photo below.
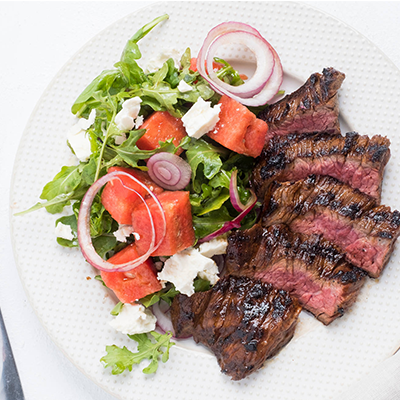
(320, 361)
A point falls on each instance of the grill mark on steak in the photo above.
(243, 321)
(311, 269)
(366, 233)
(356, 160)
(311, 108)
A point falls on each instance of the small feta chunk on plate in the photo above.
(78, 138)
(64, 231)
(201, 118)
(134, 318)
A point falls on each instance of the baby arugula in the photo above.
(150, 348)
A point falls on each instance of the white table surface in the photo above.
(36, 40)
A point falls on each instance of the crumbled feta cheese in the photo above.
(125, 119)
(78, 138)
(139, 121)
(134, 318)
(157, 62)
(182, 268)
(214, 247)
(120, 138)
(64, 231)
(123, 232)
(184, 87)
(201, 118)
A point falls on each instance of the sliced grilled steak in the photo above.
(311, 269)
(311, 108)
(366, 233)
(356, 160)
(241, 320)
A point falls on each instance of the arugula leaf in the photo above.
(201, 285)
(164, 294)
(104, 244)
(63, 184)
(109, 82)
(117, 309)
(202, 152)
(99, 278)
(99, 85)
(215, 201)
(120, 359)
(228, 74)
(210, 222)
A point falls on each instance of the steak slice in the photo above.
(243, 321)
(314, 107)
(356, 160)
(366, 233)
(311, 269)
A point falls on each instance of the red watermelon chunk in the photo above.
(160, 127)
(119, 201)
(135, 284)
(238, 129)
(179, 225)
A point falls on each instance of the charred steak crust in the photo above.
(243, 321)
(356, 160)
(310, 268)
(365, 232)
(311, 108)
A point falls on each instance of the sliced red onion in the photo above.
(169, 171)
(235, 198)
(163, 316)
(229, 225)
(269, 85)
(264, 58)
(85, 240)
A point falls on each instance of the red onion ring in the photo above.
(85, 240)
(169, 171)
(235, 199)
(163, 316)
(264, 57)
(272, 83)
(229, 225)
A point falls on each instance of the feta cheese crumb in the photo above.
(184, 87)
(139, 121)
(201, 118)
(125, 119)
(134, 318)
(64, 231)
(78, 138)
(182, 268)
(157, 62)
(123, 232)
(214, 247)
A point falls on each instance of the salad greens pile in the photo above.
(211, 164)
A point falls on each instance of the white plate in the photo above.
(320, 361)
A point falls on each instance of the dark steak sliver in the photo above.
(365, 233)
(311, 269)
(311, 108)
(241, 320)
(356, 160)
